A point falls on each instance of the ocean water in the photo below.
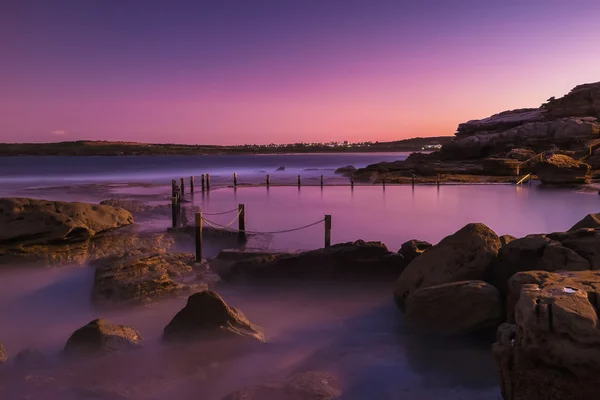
(352, 331)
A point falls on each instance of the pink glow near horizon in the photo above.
(377, 85)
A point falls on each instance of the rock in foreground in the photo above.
(301, 386)
(455, 308)
(206, 315)
(139, 278)
(412, 249)
(589, 221)
(553, 352)
(463, 256)
(101, 337)
(363, 259)
(29, 221)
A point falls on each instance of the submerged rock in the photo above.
(464, 255)
(301, 386)
(206, 315)
(101, 337)
(553, 352)
(412, 249)
(531, 253)
(140, 278)
(363, 259)
(29, 221)
(455, 308)
(3, 355)
(559, 169)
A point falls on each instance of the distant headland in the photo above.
(105, 148)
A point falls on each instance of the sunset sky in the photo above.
(257, 71)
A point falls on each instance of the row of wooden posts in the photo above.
(179, 190)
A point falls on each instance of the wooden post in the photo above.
(242, 222)
(438, 179)
(235, 179)
(182, 187)
(321, 180)
(268, 180)
(173, 188)
(383, 183)
(207, 182)
(174, 212)
(327, 231)
(202, 182)
(518, 169)
(413, 180)
(198, 237)
(298, 180)
(352, 181)
(191, 184)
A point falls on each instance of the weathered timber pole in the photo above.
(242, 222)
(198, 229)
(327, 231)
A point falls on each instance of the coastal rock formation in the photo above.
(360, 258)
(521, 154)
(412, 249)
(113, 243)
(3, 355)
(553, 351)
(533, 253)
(347, 170)
(464, 255)
(311, 385)
(589, 221)
(559, 169)
(101, 337)
(454, 308)
(587, 281)
(140, 278)
(506, 239)
(206, 315)
(582, 101)
(29, 221)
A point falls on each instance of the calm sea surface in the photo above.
(355, 332)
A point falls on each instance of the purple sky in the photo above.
(246, 71)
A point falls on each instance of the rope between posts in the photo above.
(228, 226)
(221, 213)
(215, 225)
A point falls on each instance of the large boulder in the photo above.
(582, 101)
(346, 171)
(531, 253)
(559, 169)
(455, 308)
(362, 259)
(3, 356)
(587, 281)
(412, 249)
(462, 256)
(311, 385)
(140, 278)
(589, 221)
(585, 242)
(29, 221)
(553, 352)
(101, 337)
(206, 315)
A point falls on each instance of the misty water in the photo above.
(351, 330)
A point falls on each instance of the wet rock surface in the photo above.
(412, 249)
(206, 315)
(464, 255)
(352, 259)
(454, 308)
(139, 278)
(29, 221)
(553, 350)
(100, 337)
(313, 385)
